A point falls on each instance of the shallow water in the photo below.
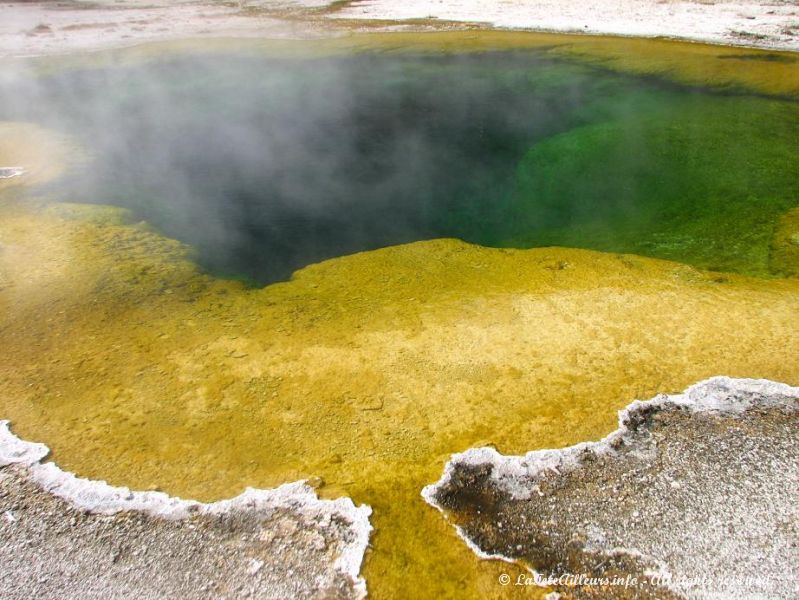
(370, 370)
(267, 164)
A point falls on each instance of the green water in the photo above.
(700, 180)
(265, 164)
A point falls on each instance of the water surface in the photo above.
(265, 165)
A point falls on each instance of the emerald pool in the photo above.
(265, 164)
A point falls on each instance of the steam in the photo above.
(267, 164)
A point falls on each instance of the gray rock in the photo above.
(694, 496)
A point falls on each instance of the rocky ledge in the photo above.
(694, 496)
(65, 537)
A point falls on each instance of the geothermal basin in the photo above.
(233, 265)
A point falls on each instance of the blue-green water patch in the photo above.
(265, 164)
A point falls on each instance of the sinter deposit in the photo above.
(65, 537)
(694, 496)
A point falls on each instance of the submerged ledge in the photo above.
(691, 497)
(70, 537)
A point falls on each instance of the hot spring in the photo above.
(348, 260)
(266, 164)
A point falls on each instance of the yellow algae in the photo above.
(766, 71)
(366, 371)
(369, 370)
(41, 153)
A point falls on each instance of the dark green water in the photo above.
(266, 165)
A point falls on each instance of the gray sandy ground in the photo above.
(710, 498)
(49, 549)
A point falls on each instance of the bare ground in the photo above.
(64, 537)
(689, 499)
(54, 27)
